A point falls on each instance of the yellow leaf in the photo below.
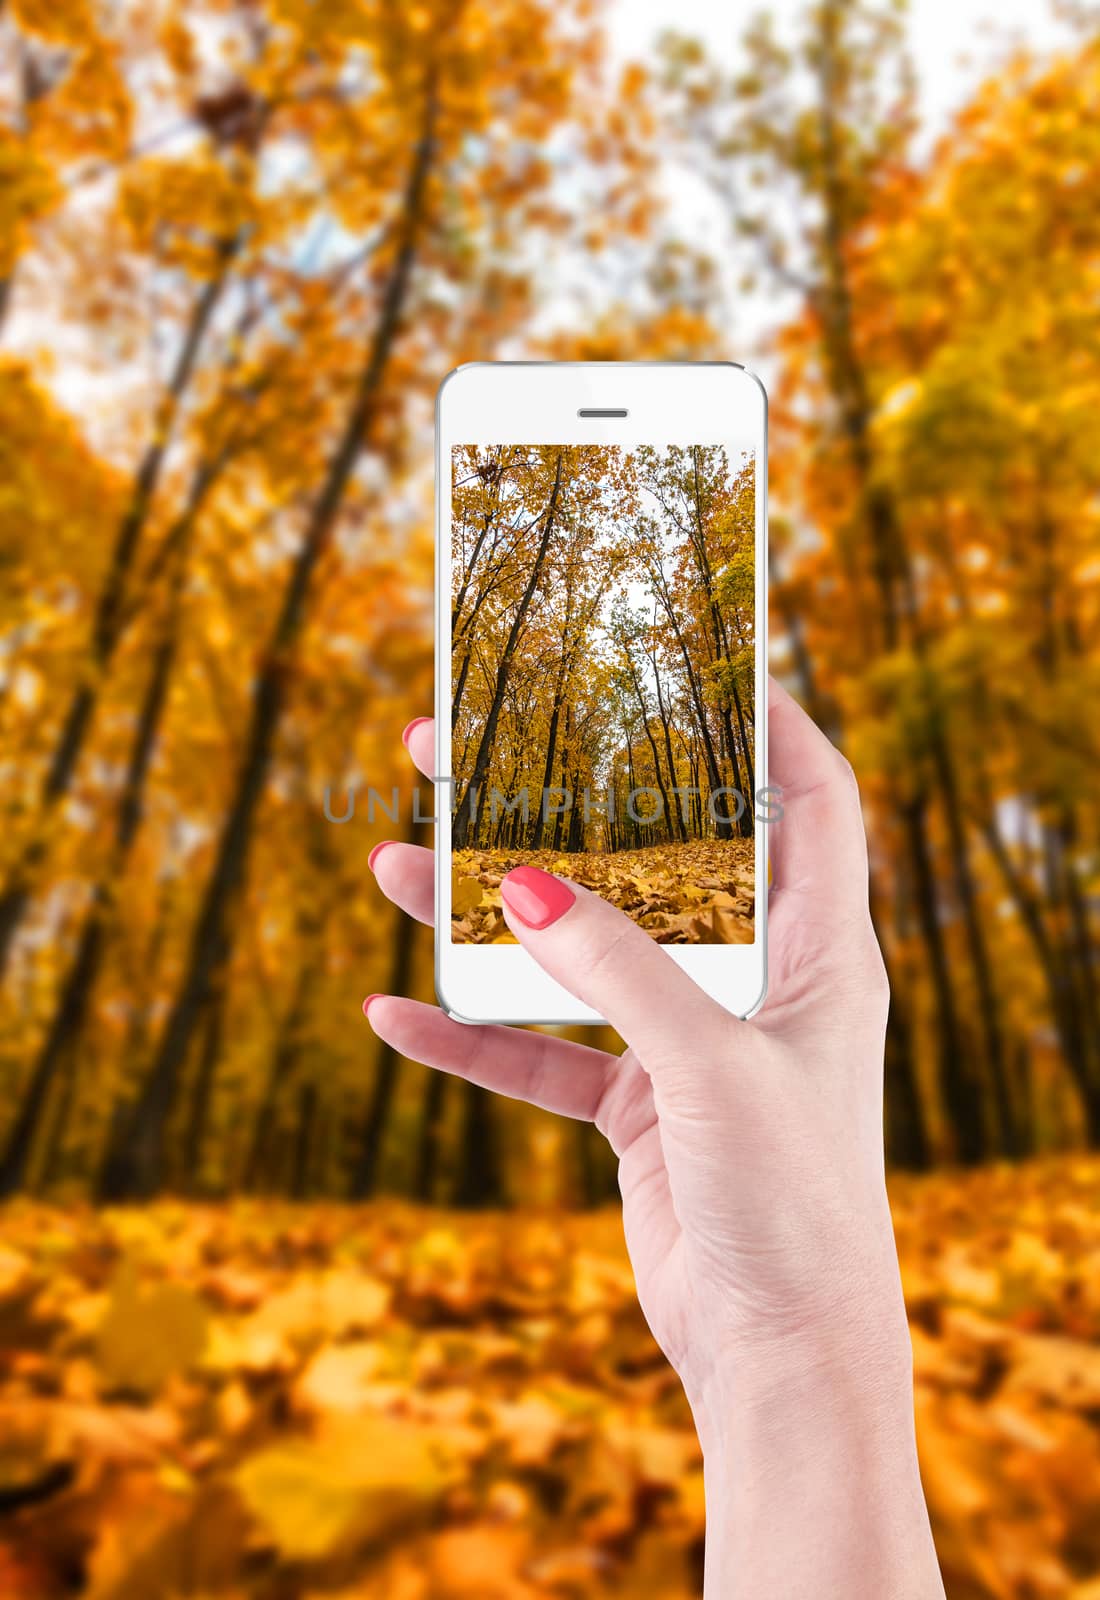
(465, 894)
(338, 1377)
(355, 1482)
(328, 1305)
(149, 1335)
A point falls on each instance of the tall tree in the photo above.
(467, 802)
(834, 158)
(109, 611)
(133, 1166)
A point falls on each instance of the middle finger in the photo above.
(405, 874)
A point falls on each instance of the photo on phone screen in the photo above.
(602, 680)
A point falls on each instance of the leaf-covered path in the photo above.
(701, 892)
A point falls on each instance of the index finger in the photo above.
(819, 847)
(419, 740)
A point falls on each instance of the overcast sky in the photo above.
(954, 44)
(954, 41)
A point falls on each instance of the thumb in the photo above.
(596, 952)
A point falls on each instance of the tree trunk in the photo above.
(723, 827)
(666, 807)
(749, 816)
(71, 1008)
(257, 1165)
(1079, 933)
(574, 841)
(464, 831)
(988, 999)
(679, 821)
(746, 821)
(1076, 1046)
(890, 566)
(133, 1168)
(562, 834)
(635, 837)
(107, 622)
(198, 1112)
(543, 823)
(961, 1093)
(64, 1097)
(479, 542)
(479, 1183)
(364, 1181)
(68, 1015)
(305, 1123)
(426, 1170)
(460, 685)
(907, 1143)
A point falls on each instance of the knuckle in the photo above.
(879, 978)
(471, 1042)
(599, 953)
(606, 1108)
(846, 775)
(874, 977)
(538, 1071)
(858, 968)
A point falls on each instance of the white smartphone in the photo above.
(601, 690)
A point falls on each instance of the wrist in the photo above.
(854, 1354)
(826, 1313)
(812, 1482)
(859, 1382)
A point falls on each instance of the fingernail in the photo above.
(367, 1004)
(376, 852)
(415, 723)
(535, 897)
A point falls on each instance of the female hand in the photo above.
(751, 1169)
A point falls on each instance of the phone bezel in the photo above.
(528, 402)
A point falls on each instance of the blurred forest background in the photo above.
(241, 242)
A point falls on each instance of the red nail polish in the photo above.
(376, 852)
(415, 723)
(367, 1003)
(535, 897)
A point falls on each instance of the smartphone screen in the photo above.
(603, 670)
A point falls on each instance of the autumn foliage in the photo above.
(380, 1402)
(241, 241)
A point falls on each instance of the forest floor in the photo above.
(261, 1401)
(701, 892)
